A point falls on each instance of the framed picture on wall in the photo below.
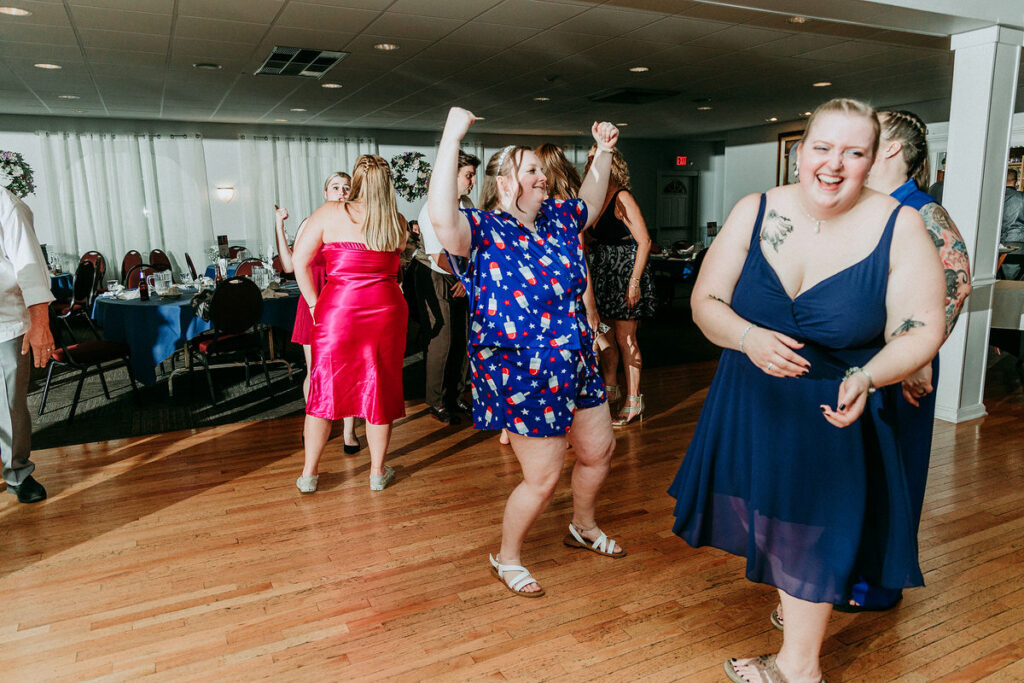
(786, 173)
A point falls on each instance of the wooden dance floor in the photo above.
(192, 556)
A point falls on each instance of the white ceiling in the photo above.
(133, 59)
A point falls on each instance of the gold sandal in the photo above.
(632, 409)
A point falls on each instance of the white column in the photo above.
(984, 84)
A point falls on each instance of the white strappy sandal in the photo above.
(515, 585)
(574, 539)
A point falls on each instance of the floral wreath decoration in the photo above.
(411, 172)
(16, 174)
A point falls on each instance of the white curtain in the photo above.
(289, 172)
(113, 193)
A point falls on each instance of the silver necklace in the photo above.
(817, 221)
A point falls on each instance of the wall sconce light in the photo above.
(225, 193)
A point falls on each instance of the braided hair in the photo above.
(909, 130)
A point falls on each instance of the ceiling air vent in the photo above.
(631, 95)
(300, 61)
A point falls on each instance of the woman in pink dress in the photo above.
(336, 189)
(359, 317)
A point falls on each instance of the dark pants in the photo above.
(446, 324)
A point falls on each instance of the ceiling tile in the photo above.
(98, 55)
(216, 29)
(399, 26)
(134, 22)
(603, 21)
(256, 11)
(451, 9)
(319, 39)
(307, 15)
(158, 6)
(739, 37)
(495, 35)
(122, 40)
(48, 35)
(530, 13)
(209, 50)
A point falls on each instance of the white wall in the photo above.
(747, 169)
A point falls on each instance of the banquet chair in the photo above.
(235, 312)
(82, 292)
(233, 251)
(246, 266)
(159, 260)
(94, 356)
(100, 263)
(191, 266)
(130, 260)
(136, 273)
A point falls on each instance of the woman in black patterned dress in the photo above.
(622, 286)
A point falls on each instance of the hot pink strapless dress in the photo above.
(359, 337)
(302, 332)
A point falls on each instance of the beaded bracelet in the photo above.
(744, 335)
(854, 370)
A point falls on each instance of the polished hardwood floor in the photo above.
(191, 556)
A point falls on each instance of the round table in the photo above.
(155, 329)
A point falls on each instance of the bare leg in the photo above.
(503, 437)
(608, 356)
(350, 431)
(541, 460)
(307, 351)
(378, 437)
(593, 441)
(629, 349)
(316, 431)
(806, 623)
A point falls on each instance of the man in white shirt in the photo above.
(24, 323)
(447, 313)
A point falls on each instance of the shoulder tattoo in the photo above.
(775, 229)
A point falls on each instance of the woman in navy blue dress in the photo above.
(901, 170)
(820, 293)
(532, 363)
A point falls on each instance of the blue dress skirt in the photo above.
(811, 507)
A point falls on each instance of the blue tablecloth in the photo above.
(211, 270)
(62, 286)
(155, 329)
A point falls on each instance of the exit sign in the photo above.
(682, 161)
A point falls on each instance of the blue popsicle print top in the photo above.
(526, 287)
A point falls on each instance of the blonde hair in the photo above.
(909, 130)
(506, 162)
(850, 107)
(620, 169)
(371, 181)
(336, 174)
(563, 178)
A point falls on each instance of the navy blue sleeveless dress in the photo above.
(811, 507)
(915, 428)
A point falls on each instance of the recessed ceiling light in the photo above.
(797, 20)
(704, 107)
(281, 120)
(385, 47)
(15, 11)
(806, 113)
(541, 99)
(330, 85)
(48, 66)
(207, 66)
(822, 84)
(77, 111)
(620, 125)
(639, 69)
(772, 119)
(68, 97)
(296, 109)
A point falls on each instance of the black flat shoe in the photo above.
(352, 450)
(28, 491)
(444, 416)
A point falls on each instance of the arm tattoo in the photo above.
(906, 326)
(953, 253)
(775, 229)
(718, 298)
